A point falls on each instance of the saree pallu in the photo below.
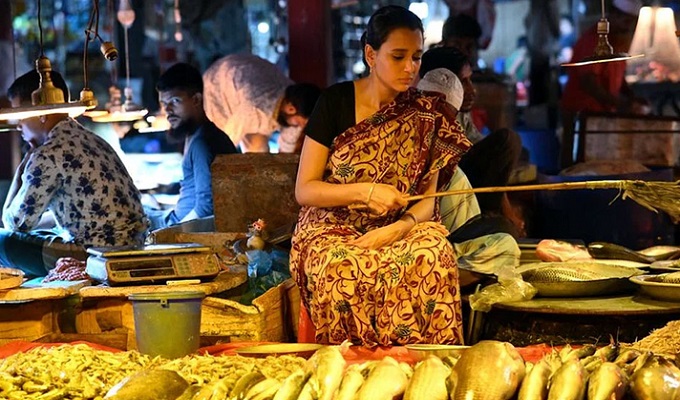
(403, 293)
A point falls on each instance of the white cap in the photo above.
(444, 81)
(631, 7)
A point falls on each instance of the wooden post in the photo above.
(309, 31)
(9, 149)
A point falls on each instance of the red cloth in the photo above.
(352, 354)
(609, 75)
(18, 346)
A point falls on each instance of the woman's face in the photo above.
(397, 61)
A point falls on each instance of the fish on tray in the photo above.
(579, 271)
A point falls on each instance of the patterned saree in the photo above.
(403, 293)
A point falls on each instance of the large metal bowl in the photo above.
(652, 286)
(422, 351)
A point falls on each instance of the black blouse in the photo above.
(333, 114)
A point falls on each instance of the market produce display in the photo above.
(489, 370)
(81, 372)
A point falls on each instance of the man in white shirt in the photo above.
(249, 99)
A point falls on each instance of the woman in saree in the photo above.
(385, 274)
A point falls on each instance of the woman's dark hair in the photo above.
(27, 83)
(181, 76)
(384, 21)
(443, 57)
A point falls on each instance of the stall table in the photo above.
(106, 310)
(35, 310)
(556, 321)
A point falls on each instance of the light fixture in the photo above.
(419, 8)
(604, 52)
(156, 123)
(48, 99)
(655, 36)
(178, 23)
(129, 110)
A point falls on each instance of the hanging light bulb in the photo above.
(129, 110)
(48, 99)
(178, 23)
(604, 52)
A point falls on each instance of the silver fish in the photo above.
(573, 271)
(327, 366)
(428, 381)
(292, 386)
(673, 277)
(626, 355)
(568, 382)
(387, 380)
(351, 383)
(489, 370)
(659, 379)
(535, 383)
(607, 382)
(661, 252)
(560, 274)
(578, 353)
(638, 363)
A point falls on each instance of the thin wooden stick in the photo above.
(607, 184)
(612, 184)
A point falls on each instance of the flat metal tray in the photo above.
(599, 287)
(614, 279)
(304, 350)
(652, 286)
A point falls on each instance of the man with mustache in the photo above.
(180, 92)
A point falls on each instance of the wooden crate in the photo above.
(28, 321)
(271, 317)
(264, 320)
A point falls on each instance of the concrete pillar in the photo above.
(309, 31)
(9, 148)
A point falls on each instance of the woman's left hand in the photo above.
(383, 236)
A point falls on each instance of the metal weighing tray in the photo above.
(606, 279)
(652, 286)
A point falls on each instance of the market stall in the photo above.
(487, 370)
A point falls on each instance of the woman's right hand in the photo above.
(384, 198)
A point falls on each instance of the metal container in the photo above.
(167, 324)
(652, 286)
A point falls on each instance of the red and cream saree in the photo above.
(403, 293)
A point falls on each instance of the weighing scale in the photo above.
(154, 263)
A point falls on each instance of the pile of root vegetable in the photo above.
(82, 372)
(489, 370)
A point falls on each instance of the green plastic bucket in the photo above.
(167, 324)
